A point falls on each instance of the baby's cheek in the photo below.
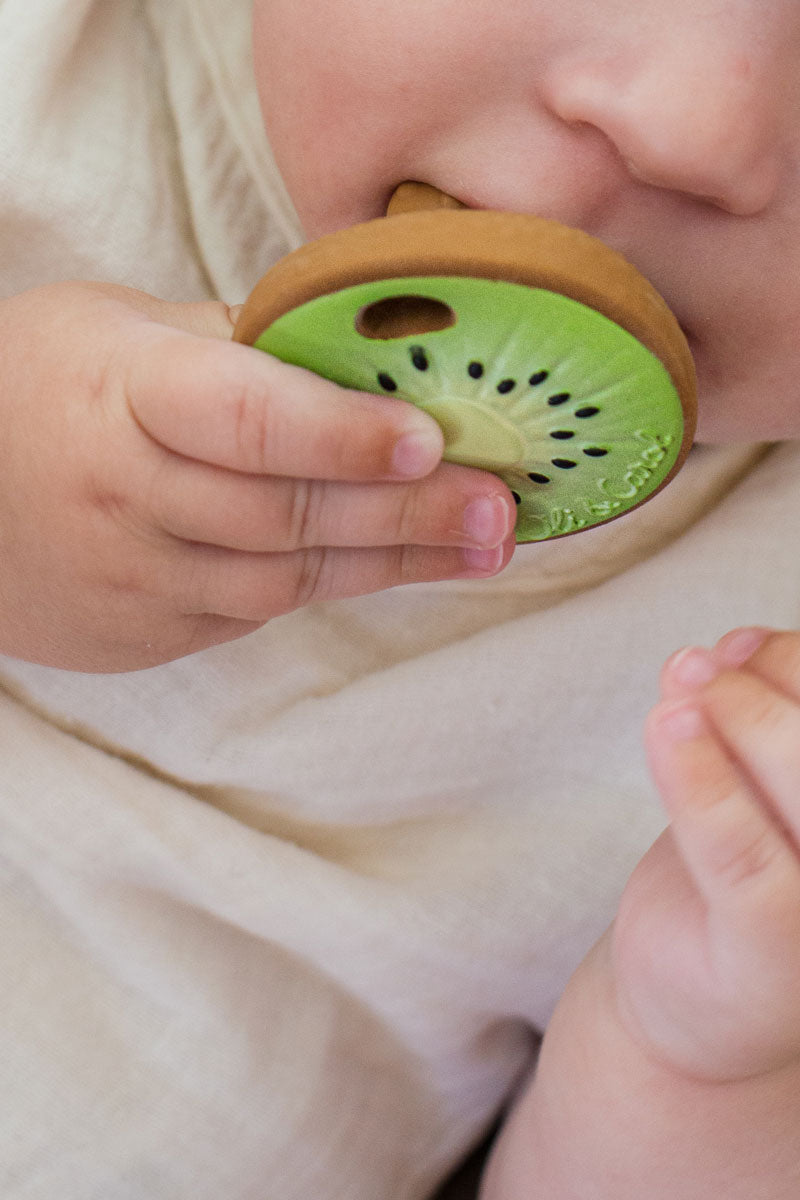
(318, 106)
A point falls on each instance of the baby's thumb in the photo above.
(209, 318)
(203, 318)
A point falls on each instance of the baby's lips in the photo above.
(413, 196)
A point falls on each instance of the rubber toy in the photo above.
(543, 354)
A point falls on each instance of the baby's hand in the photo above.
(706, 947)
(163, 489)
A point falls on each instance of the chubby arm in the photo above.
(603, 1119)
(671, 1068)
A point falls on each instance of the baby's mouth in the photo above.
(412, 196)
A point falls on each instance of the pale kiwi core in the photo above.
(577, 416)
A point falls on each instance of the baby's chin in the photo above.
(740, 407)
(725, 420)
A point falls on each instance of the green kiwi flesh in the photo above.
(580, 420)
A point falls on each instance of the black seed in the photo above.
(387, 382)
(506, 385)
(537, 477)
(419, 358)
(538, 377)
(475, 369)
(588, 411)
(595, 451)
(564, 463)
(517, 497)
(562, 435)
(558, 398)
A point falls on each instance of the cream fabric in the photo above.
(281, 920)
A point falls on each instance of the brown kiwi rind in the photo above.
(513, 247)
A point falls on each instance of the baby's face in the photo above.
(669, 130)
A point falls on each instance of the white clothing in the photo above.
(281, 920)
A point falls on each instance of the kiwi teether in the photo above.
(542, 353)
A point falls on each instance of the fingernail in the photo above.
(734, 649)
(486, 521)
(483, 562)
(681, 722)
(417, 453)
(692, 667)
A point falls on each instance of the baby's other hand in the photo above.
(163, 489)
(706, 947)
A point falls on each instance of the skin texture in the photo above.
(672, 132)
(191, 489)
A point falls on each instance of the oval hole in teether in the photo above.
(401, 316)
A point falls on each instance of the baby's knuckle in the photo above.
(112, 503)
(407, 567)
(312, 579)
(763, 714)
(303, 518)
(114, 519)
(745, 859)
(133, 576)
(410, 518)
(253, 427)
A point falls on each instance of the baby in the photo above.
(285, 914)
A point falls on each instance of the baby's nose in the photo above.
(695, 117)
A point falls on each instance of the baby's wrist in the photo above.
(605, 1117)
(682, 1035)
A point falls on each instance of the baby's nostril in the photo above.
(401, 316)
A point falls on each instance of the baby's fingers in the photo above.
(235, 407)
(748, 689)
(724, 747)
(772, 655)
(253, 588)
(452, 507)
(745, 960)
(732, 842)
(761, 727)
